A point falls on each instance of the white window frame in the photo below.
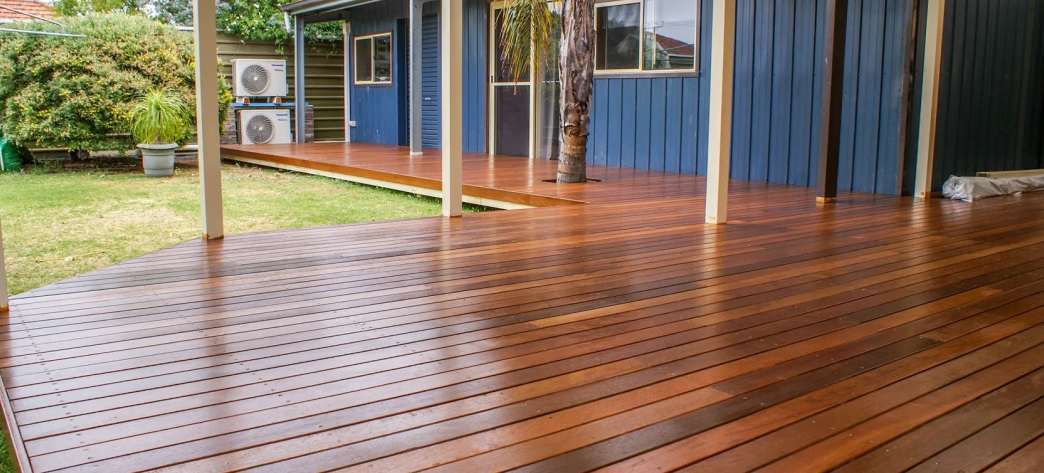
(373, 63)
(641, 70)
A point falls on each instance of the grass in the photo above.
(60, 222)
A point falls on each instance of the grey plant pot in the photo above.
(158, 160)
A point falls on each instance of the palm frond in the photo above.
(528, 35)
(160, 116)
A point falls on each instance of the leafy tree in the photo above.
(78, 93)
(174, 12)
(257, 20)
(85, 7)
(262, 20)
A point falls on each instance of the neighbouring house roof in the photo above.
(674, 46)
(28, 6)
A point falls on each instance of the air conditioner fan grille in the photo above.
(260, 129)
(254, 79)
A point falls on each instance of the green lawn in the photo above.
(59, 222)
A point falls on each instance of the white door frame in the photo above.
(491, 102)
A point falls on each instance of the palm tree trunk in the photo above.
(576, 61)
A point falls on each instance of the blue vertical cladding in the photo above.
(373, 122)
(400, 72)
(817, 92)
(782, 86)
(862, 162)
(380, 111)
(672, 125)
(628, 99)
(642, 135)
(431, 83)
(743, 87)
(776, 99)
(657, 122)
(612, 135)
(762, 99)
(803, 81)
(991, 91)
(476, 34)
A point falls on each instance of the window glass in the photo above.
(670, 34)
(363, 58)
(617, 36)
(382, 58)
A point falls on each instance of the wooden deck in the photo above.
(506, 182)
(875, 334)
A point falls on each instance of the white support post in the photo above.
(416, 74)
(207, 123)
(452, 30)
(933, 41)
(723, 42)
(299, 80)
(3, 275)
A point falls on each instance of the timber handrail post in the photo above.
(452, 31)
(934, 26)
(719, 151)
(207, 121)
(833, 93)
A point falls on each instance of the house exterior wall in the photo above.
(991, 92)
(660, 123)
(380, 112)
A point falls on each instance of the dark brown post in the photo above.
(833, 89)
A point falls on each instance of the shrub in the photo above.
(160, 117)
(78, 93)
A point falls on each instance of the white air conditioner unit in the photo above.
(258, 78)
(260, 127)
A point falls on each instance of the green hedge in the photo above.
(77, 93)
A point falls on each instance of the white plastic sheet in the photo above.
(970, 189)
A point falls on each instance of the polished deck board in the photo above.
(621, 333)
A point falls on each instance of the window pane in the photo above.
(617, 31)
(382, 58)
(363, 56)
(670, 34)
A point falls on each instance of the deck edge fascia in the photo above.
(14, 434)
(402, 187)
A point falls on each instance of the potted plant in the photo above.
(157, 120)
